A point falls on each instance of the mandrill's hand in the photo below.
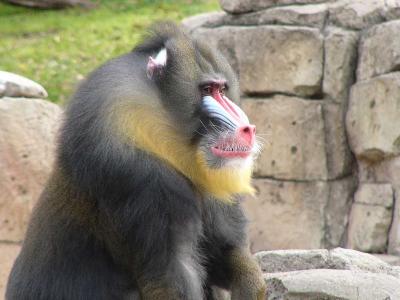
(248, 282)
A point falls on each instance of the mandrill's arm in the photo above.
(247, 280)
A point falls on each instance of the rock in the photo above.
(373, 122)
(371, 218)
(347, 259)
(339, 158)
(210, 19)
(379, 51)
(331, 285)
(291, 60)
(297, 210)
(2, 89)
(369, 228)
(13, 85)
(340, 259)
(340, 62)
(300, 15)
(394, 234)
(387, 170)
(222, 38)
(27, 142)
(356, 14)
(380, 194)
(241, 6)
(337, 210)
(393, 260)
(294, 133)
(293, 208)
(361, 14)
(292, 260)
(391, 10)
(293, 130)
(9, 253)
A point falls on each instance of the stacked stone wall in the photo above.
(321, 81)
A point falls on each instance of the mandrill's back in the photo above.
(62, 256)
(143, 199)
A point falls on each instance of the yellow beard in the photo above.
(151, 131)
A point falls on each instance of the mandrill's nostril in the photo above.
(247, 133)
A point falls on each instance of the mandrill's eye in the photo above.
(222, 90)
(206, 90)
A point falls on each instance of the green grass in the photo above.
(58, 48)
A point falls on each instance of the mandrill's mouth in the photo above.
(231, 150)
(240, 145)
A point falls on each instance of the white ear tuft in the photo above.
(161, 57)
(156, 65)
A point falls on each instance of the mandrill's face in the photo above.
(198, 86)
(227, 138)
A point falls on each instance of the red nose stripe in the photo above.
(226, 105)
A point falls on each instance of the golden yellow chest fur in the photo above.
(152, 131)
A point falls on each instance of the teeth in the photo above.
(233, 148)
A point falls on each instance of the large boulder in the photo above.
(379, 51)
(27, 142)
(303, 139)
(331, 285)
(291, 61)
(329, 275)
(13, 85)
(306, 214)
(291, 129)
(9, 253)
(340, 62)
(370, 218)
(240, 6)
(373, 122)
(300, 15)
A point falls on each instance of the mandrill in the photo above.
(143, 201)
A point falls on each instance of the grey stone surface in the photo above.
(379, 51)
(327, 274)
(13, 85)
(369, 228)
(388, 171)
(27, 143)
(300, 15)
(373, 122)
(293, 208)
(339, 158)
(280, 59)
(394, 234)
(303, 139)
(222, 38)
(294, 137)
(331, 285)
(393, 260)
(337, 210)
(356, 14)
(211, 19)
(9, 253)
(241, 6)
(300, 210)
(340, 62)
(391, 10)
(339, 258)
(380, 194)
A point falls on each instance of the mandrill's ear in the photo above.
(156, 66)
